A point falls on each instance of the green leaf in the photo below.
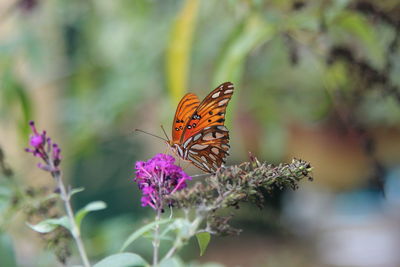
(203, 239)
(358, 26)
(49, 225)
(178, 50)
(93, 206)
(122, 260)
(172, 262)
(184, 228)
(138, 233)
(76, 190)
(253, 32)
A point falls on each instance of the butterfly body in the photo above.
(198, 131)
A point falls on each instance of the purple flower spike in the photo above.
(42, 147)
(158, 177)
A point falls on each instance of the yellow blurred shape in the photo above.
(178, 50)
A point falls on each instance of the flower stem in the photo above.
(179, 241)
(156, 239)
(70, 214)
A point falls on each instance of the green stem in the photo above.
(70, 214)
(156, 239)
(179, 240)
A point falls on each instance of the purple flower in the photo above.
(158, 177)
(36, 140)
(42, 147)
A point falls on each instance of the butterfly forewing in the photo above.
(210, 112)
(184, 111)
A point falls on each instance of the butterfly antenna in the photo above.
(162, 127)
(138, 130)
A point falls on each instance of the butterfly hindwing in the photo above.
(208, 149)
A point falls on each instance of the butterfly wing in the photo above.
(205, 138)
(208, 149)
(188, 104)
(210, 112)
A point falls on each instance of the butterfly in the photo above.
(198, 132)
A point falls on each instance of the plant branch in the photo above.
(230, 186)
(70, 214)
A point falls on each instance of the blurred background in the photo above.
(317, 80)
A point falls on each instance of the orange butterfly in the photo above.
(198, 131)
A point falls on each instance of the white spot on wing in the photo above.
(215, 95)
(191, 158)
(230, 86)
(222, 128)
(187, 142)
(215, 150)
(223, 102)
(205, 165)
(180, 152)
(218, 135)
(224, 146)
(212, 156)
(199, 147)
(197, 137)
(228, 91)
(208, 137)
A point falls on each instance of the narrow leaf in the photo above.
(49, 225)
(358, 26)
(253, 32)
(76, 190)
(138, 233)
(178, 51)
(203, 239)
(93, 206)
(122, 260)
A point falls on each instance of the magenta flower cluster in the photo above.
(43, 147)
(158, 177)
